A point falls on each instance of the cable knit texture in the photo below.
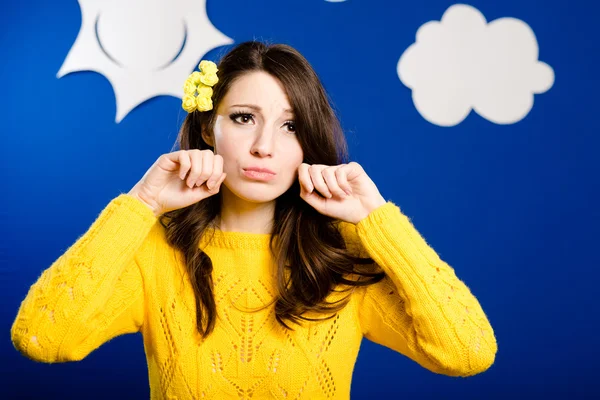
(121, 276)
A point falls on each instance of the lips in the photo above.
(260, 169)
(259, 174)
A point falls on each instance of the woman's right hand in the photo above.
(179, 179)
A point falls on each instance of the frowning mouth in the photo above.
(259, 174)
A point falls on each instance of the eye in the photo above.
(291, 126)
(241, 118)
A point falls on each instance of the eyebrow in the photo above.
(257, 108)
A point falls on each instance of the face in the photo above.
(255, 129)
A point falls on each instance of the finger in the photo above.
(169, 162)
(184, 164)
(318, 181)
(304, 178)
(354, 170)
(313, 198)
(207, 166)
(217, 185)
(331, 181)
(196, 168)
(342, 178)
(217, 171)
(215, 188)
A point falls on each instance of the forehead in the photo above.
(259, 88)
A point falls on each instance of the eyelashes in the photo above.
(242, 118)
(234, 117)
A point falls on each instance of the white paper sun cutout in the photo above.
(145, 48)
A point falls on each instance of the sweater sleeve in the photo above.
(420, 309)
(92, 293)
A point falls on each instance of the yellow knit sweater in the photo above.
(122, 277)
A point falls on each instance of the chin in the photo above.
(256, 192)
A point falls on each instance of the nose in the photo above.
(264, 143)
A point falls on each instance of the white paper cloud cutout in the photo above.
(145, 48)
(462, 63)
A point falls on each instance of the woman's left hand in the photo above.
(342, 191)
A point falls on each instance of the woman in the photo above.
(255, 259)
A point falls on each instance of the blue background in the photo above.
(514, 208)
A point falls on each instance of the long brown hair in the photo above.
(309, 244)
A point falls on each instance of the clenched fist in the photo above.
(179, 179)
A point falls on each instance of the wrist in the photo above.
(148, 203)
(371, 206)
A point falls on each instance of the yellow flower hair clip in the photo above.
(197, 88)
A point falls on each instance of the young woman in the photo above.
(255, 259)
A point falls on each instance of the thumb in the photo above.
(311, 198)
(201, 192)
(217, 186)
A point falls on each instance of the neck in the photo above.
(239, 215)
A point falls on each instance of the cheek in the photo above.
(293, 158)
(297, 154)
(227, 150)
(223, 143)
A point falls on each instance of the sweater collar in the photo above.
(235, 240)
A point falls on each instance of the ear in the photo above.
(207, 137)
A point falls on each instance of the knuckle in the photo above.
(196, 168)
(183, 156)
(205, 174)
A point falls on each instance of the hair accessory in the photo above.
(198, 88)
